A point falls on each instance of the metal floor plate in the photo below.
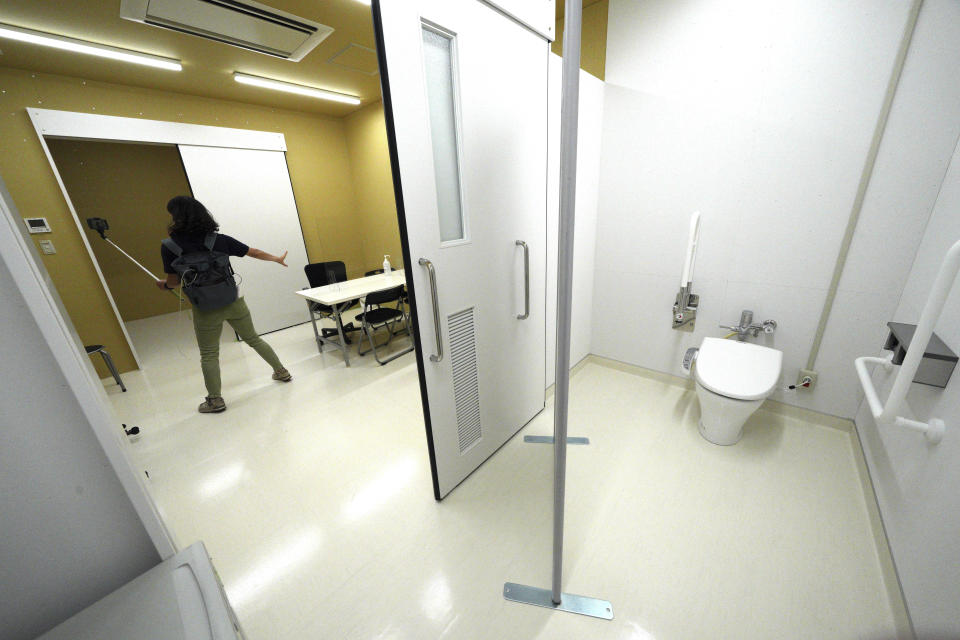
(569, 602)
(549, 439)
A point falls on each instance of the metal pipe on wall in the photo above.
(865, 176)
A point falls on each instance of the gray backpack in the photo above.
(206, 276)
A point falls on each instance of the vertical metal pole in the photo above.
(554, 598)
(568, 192)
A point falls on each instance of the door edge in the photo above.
(408, 262)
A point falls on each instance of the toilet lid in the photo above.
(737, 369)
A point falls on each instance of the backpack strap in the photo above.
(209, 240)
(172, 246)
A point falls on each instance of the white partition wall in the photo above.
(248, 192)
(746, 115)
(916, 483)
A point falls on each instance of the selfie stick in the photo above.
(100, 226)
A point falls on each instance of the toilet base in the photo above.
(722, 418)
(714, 439)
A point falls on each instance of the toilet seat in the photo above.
(738, 370)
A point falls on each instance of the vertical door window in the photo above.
(439, 60)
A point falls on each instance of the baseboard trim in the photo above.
(773, 406)
(888, 568)
(548, 393)
(808, 415)
(651, 374)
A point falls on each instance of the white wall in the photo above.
(918, 484)
(68, 533)
(917, 146)
(760, 115)
(588, 185)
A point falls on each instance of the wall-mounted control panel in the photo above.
(37, 225)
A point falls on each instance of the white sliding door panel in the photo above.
(249, 194)
(467, 110)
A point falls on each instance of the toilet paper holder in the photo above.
(937, 363)
(889, 412)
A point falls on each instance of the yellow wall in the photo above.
(593, 38)
(373, 186)
(317, 156)
(129, 185)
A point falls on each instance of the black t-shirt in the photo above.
(190, 244)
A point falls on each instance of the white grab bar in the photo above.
(889, 412)
(693, 241)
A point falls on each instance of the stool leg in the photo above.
(107, 360)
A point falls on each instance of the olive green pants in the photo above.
(209, 325)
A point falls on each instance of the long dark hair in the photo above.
(190, 217)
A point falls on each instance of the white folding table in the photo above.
(334, 295)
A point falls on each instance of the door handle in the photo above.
(526, 280)
(436, 308)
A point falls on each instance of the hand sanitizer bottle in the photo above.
(386, 264)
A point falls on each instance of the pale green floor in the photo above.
(315, 501)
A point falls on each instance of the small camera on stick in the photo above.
(99, 225)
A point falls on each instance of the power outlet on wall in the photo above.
(803, 375)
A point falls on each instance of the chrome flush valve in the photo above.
(748, 327)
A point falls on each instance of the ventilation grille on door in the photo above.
(466, 393)
(242, 23)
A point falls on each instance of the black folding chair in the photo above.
(320, 274)
(375, 316)
(107, 360)
(403, 298)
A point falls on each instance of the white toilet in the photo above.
(732, 380)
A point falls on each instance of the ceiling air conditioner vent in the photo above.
(245, 24)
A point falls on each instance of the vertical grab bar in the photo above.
(436, 308)
(890, 411)
(685, 307)
(526, 280)
(693, 243)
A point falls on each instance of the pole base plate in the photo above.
(583, 605)
(549, 439)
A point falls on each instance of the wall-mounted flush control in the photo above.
(806, 379)
(47, 246)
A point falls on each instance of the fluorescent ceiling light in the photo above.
(290, 87)
(82, 46)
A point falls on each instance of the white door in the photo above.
(465, 95)
(248, 192)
